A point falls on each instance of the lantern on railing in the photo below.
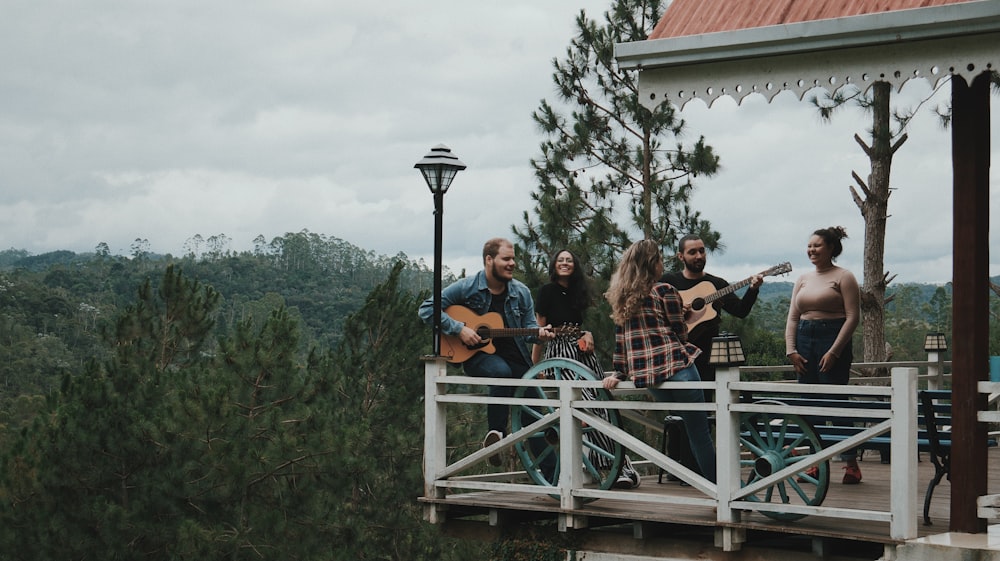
(727, 350)
(935, 342)
(936, 345)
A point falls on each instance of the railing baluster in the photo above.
(903, 451)
(435, 431)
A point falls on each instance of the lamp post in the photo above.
(935, 345)
(727, 355)
(439, 168)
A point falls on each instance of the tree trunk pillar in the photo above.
(970, 141)
(875, 210)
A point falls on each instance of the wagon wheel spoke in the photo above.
(774, 442)
(602, 457)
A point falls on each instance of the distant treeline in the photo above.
(55, 305)
(255, 404)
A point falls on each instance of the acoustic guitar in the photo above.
(489, 326)
(701, 295)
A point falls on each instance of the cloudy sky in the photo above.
(164, 119)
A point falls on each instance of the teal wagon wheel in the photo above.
(602, 457)
(776, 441)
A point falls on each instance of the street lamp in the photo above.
(439, 168)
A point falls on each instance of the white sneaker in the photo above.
(492, 438)
(636, 480)
(629, 480)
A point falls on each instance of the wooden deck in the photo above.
(667, 520)
(496, 508)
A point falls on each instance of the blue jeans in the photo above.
(695, 422)
(485, 365)
(813, 338)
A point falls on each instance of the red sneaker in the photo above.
(852, 474)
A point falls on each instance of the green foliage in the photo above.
(87, 475)
(533, 544)
(204, 416)
(377, 387)
(177, 447)
(612, 169)
(54, 311)
(525, 550)
(914, 311)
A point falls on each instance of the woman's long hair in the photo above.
(578, 288)
(636, 274)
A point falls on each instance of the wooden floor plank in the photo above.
(871, 494)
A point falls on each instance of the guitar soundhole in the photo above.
(697, 304)
(484, 333)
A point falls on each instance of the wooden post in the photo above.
(970, 154)
(903, 490)
(727, 443)
(935, 370)
(435, 434)
(570, 453)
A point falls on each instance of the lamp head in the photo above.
(935, 343)
(727, 350)
(439, 167)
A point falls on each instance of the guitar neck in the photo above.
(727, 290)
(508, 332)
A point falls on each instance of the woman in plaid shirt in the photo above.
(651, 342)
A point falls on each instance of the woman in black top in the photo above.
(564, 301)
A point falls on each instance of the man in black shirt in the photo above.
(696, 282)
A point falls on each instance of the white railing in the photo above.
(729, 495)
(988, 506)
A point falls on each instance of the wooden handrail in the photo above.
(727, 495)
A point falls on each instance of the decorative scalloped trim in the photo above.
(897, 64)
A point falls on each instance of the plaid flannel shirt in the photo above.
(652, 345)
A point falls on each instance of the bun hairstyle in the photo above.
(832, 237)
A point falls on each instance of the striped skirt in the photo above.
(564, 347)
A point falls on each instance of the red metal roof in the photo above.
(694, 17)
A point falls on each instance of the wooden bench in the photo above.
(933, 428)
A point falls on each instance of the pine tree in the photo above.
(378, 385)
(255, 450)
(176, 450)
(612, 169)
(93, 475)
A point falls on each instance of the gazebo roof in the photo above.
(709, 48)
(695, 17)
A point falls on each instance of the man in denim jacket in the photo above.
(493, 289)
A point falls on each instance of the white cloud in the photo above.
(162, 120)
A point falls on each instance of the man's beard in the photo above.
(499, 273)
(695, 265)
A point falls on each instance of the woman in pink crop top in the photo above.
(824, 312)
